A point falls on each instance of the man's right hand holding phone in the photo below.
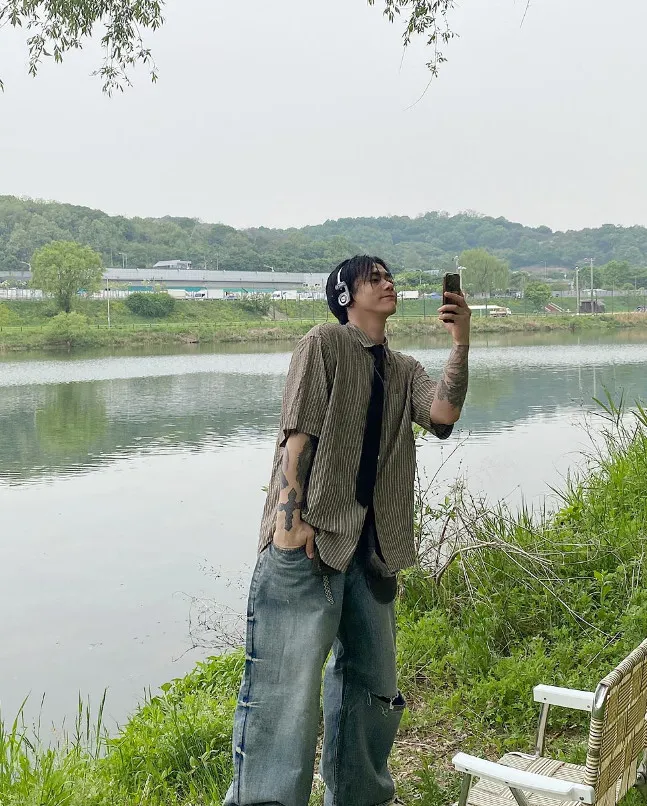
(454, 313)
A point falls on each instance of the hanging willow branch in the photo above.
(57, 26)
(428, 18)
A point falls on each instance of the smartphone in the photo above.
(451, 283)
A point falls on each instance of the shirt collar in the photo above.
(363, 339)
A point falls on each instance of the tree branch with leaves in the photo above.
(56, 27)
(427, 18)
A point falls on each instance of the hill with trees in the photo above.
(424, 242)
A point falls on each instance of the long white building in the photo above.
(195, 279)
(192, 279)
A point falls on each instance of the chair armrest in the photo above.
(566, 697)
(528, 781)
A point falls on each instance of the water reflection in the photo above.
(72, 421)
(174, 403)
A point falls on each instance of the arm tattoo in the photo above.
(453, 384)
(289, 508)
(301, 476)
(304, 466)
(285, 463)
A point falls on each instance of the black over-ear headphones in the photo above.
(344, 297)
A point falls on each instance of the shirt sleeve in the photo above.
(423, 391)
(305, 398)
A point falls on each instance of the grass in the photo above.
(34, 325)
(528, 597)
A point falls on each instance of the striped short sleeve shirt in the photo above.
(326, 395)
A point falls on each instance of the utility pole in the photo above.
(271, 268)
(577, 290)
(108, 298)
(591, 262)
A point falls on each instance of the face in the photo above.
(376, 295)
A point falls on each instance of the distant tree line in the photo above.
(429, 241)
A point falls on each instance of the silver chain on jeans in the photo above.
(328, 589)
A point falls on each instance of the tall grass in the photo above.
(32, 774)
(175, 749)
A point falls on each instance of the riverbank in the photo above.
(65, 332)
(474, 639)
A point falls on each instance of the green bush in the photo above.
(423, 647)
(8, 318)
(152, 306)
(69, 329)
(259, 305)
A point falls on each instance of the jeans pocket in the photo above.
(291, 555)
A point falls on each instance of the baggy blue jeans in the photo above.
(294, 619)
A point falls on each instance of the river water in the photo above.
(130, 483)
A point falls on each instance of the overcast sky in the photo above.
(290, 112)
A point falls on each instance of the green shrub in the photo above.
(152, 306)
(8, 318)
(423, 647)
(69, 329)
(257, 305)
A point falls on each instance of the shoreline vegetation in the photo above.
(28, 326)
(525, 598)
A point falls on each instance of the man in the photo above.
(337, 526)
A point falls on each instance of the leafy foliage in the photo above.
(485, 272)
(153, 306)
(57, 26)
(69, 329)
(64, 268)
(426, 18)
(8, 317)
(538, 294)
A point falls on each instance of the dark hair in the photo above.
(353, 270)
